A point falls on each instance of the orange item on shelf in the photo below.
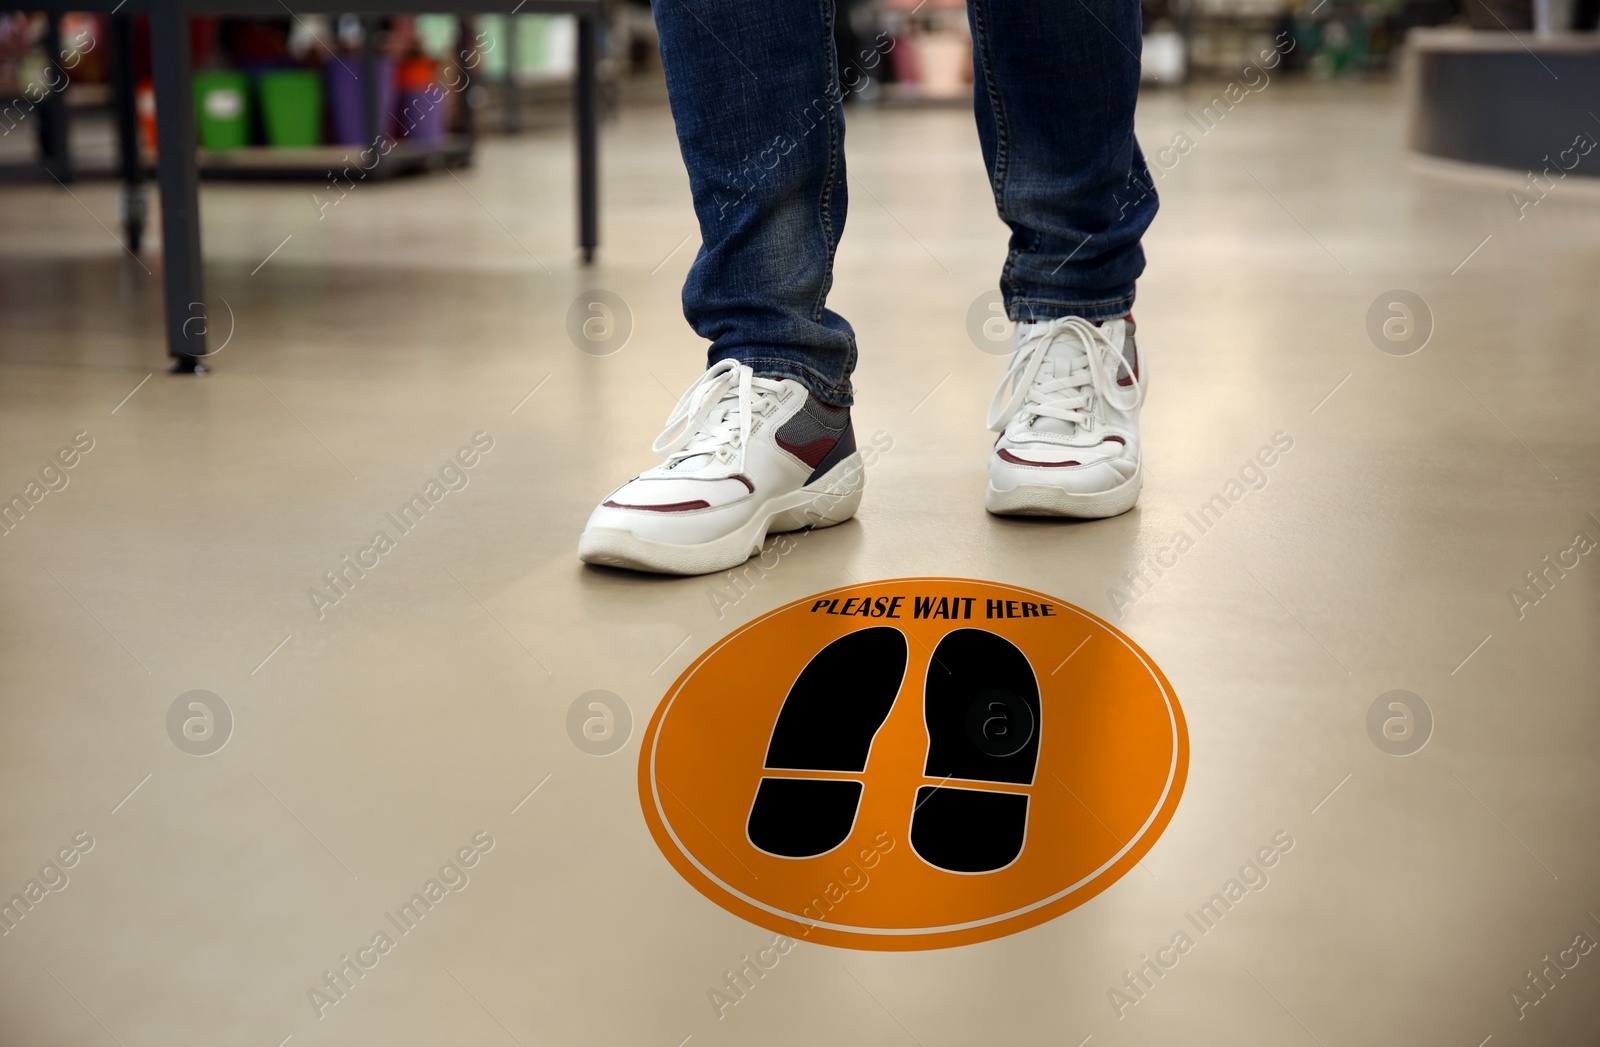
(144, 104)
(417, 73)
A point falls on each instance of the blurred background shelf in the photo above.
(317, 162)
(260, 91)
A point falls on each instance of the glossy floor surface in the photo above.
(182, 899)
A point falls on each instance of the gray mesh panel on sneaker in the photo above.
(814, 431)
(1130, 354)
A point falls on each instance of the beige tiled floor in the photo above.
(369, 745)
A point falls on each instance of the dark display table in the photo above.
(177, 159)
(1516, 101)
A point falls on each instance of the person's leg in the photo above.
(1055, 90)
(755, 95)
(762, 442)
(1055, 87)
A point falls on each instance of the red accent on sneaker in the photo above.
(746, 481)
(812, 453)
(671, 507)
(1007, 456)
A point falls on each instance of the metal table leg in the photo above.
(513, 106)
(183, 278)
(467, 50)
(587, 114)
(125, 100)
(53, 147)
(371, 87)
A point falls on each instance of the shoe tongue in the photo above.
(694, 462)
(1062, 356)
(727, 414)
(1058, 363)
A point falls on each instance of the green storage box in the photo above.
(291, 107)
(222, 109)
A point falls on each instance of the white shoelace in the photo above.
(713, 417)
(1091, 372)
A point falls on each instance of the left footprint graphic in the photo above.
(827, 723)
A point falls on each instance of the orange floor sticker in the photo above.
(913, 764)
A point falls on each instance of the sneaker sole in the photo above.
(831, 500)
(1048, 500)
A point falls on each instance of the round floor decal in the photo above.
(913, 764)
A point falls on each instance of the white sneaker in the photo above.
(1068, 417)
(745, 456)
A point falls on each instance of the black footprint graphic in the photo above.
(827, 723)
(982, 709)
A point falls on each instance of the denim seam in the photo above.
(835, 96)
(1002, 133)
(825, 202)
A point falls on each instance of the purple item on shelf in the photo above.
(423, 118)
(347, 100)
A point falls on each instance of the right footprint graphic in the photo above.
(981, 705)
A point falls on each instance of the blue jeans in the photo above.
(756, 89)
